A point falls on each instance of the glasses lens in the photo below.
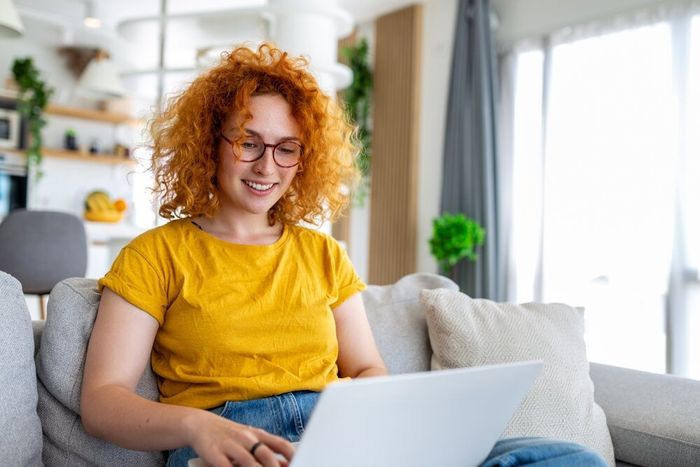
(250, 149)
(287, 154)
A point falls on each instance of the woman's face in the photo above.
(254, 187)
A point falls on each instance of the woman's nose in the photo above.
(266, 164)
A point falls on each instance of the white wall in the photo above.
(48, 62)
(439, 17)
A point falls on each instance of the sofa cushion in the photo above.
(20, 442)
(398, 323)
(560, 405)
(71, 313)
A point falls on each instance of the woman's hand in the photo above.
(221, 442)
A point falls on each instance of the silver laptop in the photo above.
(446, 418)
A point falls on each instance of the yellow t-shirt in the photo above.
(237, 322)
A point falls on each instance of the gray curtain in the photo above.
(470, 183)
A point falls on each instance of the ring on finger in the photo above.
(255, 447)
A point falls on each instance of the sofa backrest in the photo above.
(398, 320)
(72, 309)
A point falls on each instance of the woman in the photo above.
(233, 301)
(246, 316)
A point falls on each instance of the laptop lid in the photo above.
(446, 418)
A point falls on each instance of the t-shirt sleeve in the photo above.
(138, 281)
(347, 281)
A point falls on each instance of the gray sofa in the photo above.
(654, 420)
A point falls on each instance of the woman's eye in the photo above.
(250, 145)
(288, 148)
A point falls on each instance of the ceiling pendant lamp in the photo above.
(10, 22)
(91, 20)
(100, 80)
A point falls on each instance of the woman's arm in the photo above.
(358, 355)
(118, 352)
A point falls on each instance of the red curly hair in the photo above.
(187, 133)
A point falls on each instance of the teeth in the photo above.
(258, 186)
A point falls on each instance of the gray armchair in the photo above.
(41, 248)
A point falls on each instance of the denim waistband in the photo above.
(285, 415)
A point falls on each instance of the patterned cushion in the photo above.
(468, 332)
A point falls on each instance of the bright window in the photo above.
(596, 201)
(691, 184)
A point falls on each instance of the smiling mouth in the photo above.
(258, 186)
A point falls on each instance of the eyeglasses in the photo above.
(285, 154)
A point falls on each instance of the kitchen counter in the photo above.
(105, 241)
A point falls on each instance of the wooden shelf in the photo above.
(90, 114)
(110, 159)
(79, 156)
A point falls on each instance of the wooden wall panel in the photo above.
(393, 218)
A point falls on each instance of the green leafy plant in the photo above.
(358, 102)
(455, 236)
(34, 95)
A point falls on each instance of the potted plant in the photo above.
(33, 97)
(358, 102)
(455, 236)
(70, 140)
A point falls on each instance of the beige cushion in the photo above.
(468, 332)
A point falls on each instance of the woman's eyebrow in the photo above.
(283, 138)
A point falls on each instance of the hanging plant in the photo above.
(455, 237)
(34, 95)
(358, 101)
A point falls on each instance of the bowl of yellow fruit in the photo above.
(100, 207)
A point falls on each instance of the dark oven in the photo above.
(13, 182)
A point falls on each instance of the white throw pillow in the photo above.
(467, 332)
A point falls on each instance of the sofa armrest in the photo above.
(654, 420)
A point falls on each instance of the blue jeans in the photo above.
(286, 415)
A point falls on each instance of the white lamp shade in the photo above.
(100, 80)
(10, 23)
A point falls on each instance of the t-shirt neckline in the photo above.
(276, 244)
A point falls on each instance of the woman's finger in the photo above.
(267, 457)
(276, 444)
